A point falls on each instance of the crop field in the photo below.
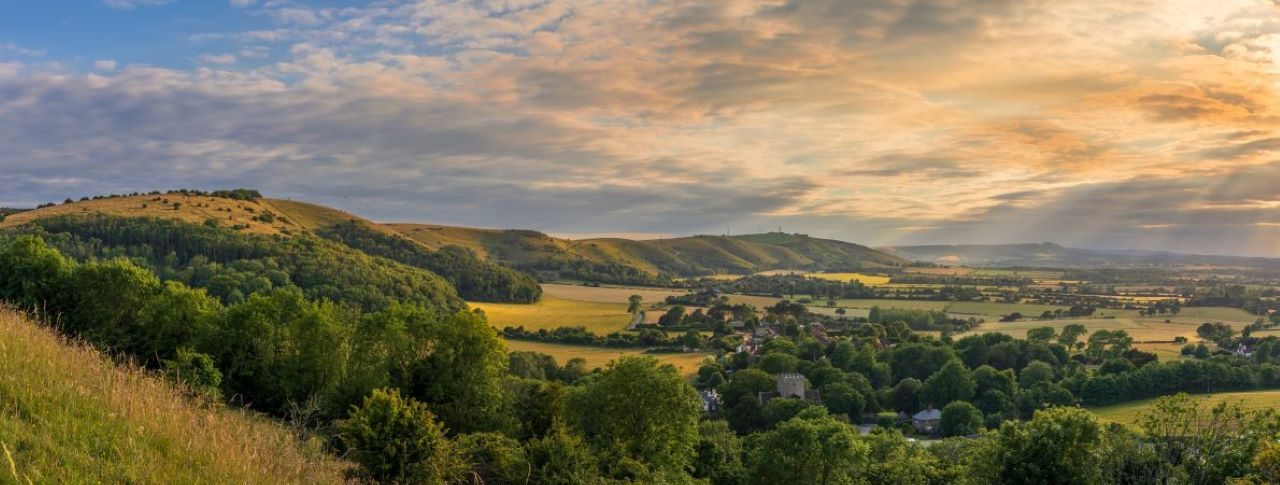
(552, 312)
(1128, 413)
(866, 279)
(601, 356)
(947, 271)
(993, 310)
(1141, 329)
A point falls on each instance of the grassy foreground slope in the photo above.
(68, 415)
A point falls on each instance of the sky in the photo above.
(1138, 124)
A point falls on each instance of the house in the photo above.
(926, 421)
(710, 402)
(792, 386)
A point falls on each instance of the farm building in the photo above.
(926, 420)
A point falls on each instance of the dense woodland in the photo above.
(476, 279)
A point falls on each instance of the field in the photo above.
(68, 415)
(552, 312)
(608, 294)
(600, 356)
(866, 279)
(1033, 274)
(1128, 413)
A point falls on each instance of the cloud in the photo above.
(104, 65)
(878, 121)
(132, 4)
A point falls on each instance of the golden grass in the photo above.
(191, 209)
(608, 294)
(599, 357)
(1128, 413)
(68, 415)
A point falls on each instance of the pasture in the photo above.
(599, 357)
(1128, 413)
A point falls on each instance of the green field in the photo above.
(1128, 413)
(599, 357)
(1034, 274)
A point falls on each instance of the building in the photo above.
(792, 386)
(926, 421)
(710, 402)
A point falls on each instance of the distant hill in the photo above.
(1057, 256)
(632, 261)
(69, 415)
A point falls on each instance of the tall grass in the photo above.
(70, 415)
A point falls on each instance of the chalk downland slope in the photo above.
(631, 261)
(69, 415)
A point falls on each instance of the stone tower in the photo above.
(791, 385)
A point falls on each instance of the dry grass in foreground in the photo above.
(69, 415)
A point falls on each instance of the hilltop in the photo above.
(68, 414)
(646, 261)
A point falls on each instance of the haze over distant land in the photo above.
(1089, 123)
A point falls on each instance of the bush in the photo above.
(397, 440)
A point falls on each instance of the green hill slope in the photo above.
(646, 262)
(68, 415)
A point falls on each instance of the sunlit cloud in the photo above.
(1110, 124)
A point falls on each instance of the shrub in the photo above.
(397, 440)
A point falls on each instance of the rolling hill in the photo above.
(649, 261)
(610, 260)
(69, 415)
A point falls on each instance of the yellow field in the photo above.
(1128, 413)
(70, 415)
(600, 356)
(552, 312)
(866, 279)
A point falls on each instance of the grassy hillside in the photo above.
(68, 415)
(474, 277)
(1128, 413)
(641, 262)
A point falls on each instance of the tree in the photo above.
(397, 440)
(33, 275)
(640, 410)
(1058, 446)
(1070, 334)
(1041, 334)
(960, 419)
(810, 449)
(460, 375)
(953, 382)
(842, 399)
(107, 298)
(1035, 373)
(177, 317)
(719, 454)
(905, 396)
(634, 304)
